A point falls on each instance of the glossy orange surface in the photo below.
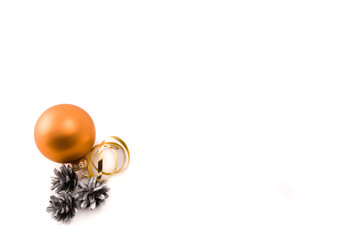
(64, 133)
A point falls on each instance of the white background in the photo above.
(242, 117)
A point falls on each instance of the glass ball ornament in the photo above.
(64, 133)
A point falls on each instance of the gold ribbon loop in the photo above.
(96, 155)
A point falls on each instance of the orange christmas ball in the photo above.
(64, 133)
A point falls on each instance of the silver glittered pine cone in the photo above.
(92, 194)
(65, 179)
(62, 207)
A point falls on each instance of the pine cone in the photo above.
(91, 194)
(62, 207)
(65, 179)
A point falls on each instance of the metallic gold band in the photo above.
(98, 150)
